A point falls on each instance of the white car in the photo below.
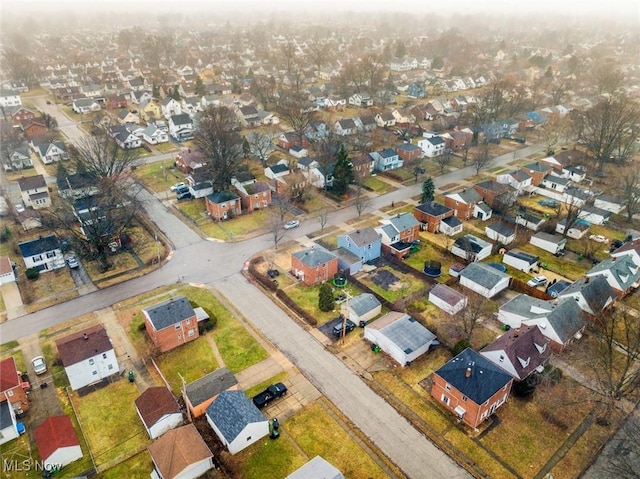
(537, 281)
(39, 366)
(20, 208)
(179, 186)
(598, 239)
(291, 224)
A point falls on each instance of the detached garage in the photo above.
(447, 299)
(57, 442)
(400, 336)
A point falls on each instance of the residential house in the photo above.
(519, 180)
(87, 356)
(594, 215)
(431, 214)
(409, 152)
(125, 116)
(498, 195)
(237, 422)
(593, 294)
(82, 106)
(276, 171)
(366, 123)
(314, 265)
(345, 127)
(416, 90)
(363, 166)
(191, 106)
(537, 171)
(12, 388)
(170, 107)
(631, 249)
(385, 119)
(171, 323)
(521, 260)
(467, 204)
(19, 114)
(432, 146)
(578, 229)
(223, 205)
(320, 176)
(622, 274)
(548, 242)
(288, 139)
(555, 183)
(158, 410)
(181, 127)
(198, 187)
(8, 423)
(150, 110)
(52, 152)
(180, 453)
(34, 192)
(565, 159)
(365, 243)
(400, 336)
(115, 102)
(91, 91)
(362, 308)
(43, 253)
(188, 161)
(199, 394)
(298, 152)
(484, 279)
(57, 442)
(124, 138)
(500, 232)
(138, 97)
(254, 196)
(34, 129)
(316, 468)
(7, 273)
(471, 386)
(529, 221)
(361, 100)
(154, 136)
(77, 185)
(471, 248)
(20, 159)
(398, 233)
(520, 351)
(387, 159)
(611, 203)
(447, 299)
(248, 116)
(9, 98)
(561, 321)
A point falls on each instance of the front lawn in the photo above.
(158, 176)
(49, 288)
(307, 298)
(378, 186)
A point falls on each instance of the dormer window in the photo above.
(524, 363)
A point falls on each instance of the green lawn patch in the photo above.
(110, 421)
(307, 298)
(377, 185)
(562, 266)
(19, 450)
(158, 176)
(8, 346)
(278, 378)
(139, 465)
(404, 287)
(270, 458)
(191, 361)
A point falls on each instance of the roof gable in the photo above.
(178, 449)
(83, 345)
(170, 312)
(155, 403)
(232, 411)
(53, 433)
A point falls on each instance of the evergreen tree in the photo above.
(342, 172)
(428, 190)
(199, 87)
(155, 91)
(326, 301)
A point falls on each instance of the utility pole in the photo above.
(345, 316)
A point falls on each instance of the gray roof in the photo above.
(483, 274)
(232, 411)
(550, 238)
(363, 237)
(556, 179)
(485, 379)
(471, 242)
(468, 195)
(278, 168)
(39, 246)
(169, 312)
(433, 209)
(529, 258)
(596, 292)
(447, 294)
(5, 415)
(210, 386)
(452, 221)
(622, 268)
(484, 207)
(346, 256)
(218, 197)
(389, 230)
(363, 303)
(316, 468)
(182, 119)
(404, 221)
(501, 228)
(595, 210)
(405, 332)
(314, 256)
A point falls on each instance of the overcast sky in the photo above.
(622, 8)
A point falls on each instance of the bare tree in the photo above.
(572, 208)
(361, 199)
(275, 225)
(296, 111)
(10, 140)
(622, 461)
(553, 132)
(218, 138)
(487, 109)
(477, 308)
(443, 161)
(102, 157)
(323, 217)
(629, 188)
(18, 65)
(319, 52)
(482, 159)
(263, 88)
(260, 145)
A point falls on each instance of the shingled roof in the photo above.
(170, 312)
(83, 345)
(177, 449)
(155, 403)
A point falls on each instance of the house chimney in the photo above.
(613, 259)
(467, 373)
(586, 280)
(85, 336)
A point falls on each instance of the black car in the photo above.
(274, 391)
(185, 196)
(272, 273)
(348, 327)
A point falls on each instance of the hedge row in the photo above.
(293, 306)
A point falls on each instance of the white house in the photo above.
(611, 203)
(594, 215)
(555, 183)
(87, 356)
(236, 420)
(85, 105)
(57, 442)
(400, 336)
(447, 299)
(7, 274)
(9, 98)
(529, 221)
(484, 279)
(170, 107)
(43, 253)
(579, 228)
(361, 100)
(34, 191)
(158, 410)
(50, 152)
(8, 424)
(181, 127)
(621, 273)
(362, 308)
(500, 232)
(471, 248)
(548, 242)
(520, 260)
(432, 146)
(180, 453)
(153, 135)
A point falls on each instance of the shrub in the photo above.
(326, 301)
(142, 326)
(32, 273)
(460, 346)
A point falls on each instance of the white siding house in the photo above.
(43, 254)
(484, 279)
(447, 299)
(548, 242)
(520, 260)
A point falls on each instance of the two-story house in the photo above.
(361, 100)
(387, 159)
(181, 127)
(171, 323)
(87, 356)
(365, 243)
(254, 196)
(398, 233)
(435, 218)
(170, 107)
(43, 254)
(432, 146)
(223, 205)
(409, 152)
(34, 192)
(467, 204)
(314, 265)
(12, 387)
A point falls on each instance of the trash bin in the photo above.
(275, 424)
(131, 376)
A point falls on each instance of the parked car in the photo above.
(72, 262)
(348, 327)
(185, 195)
(615, 244)
(549, 203)
(39, 366)
(558, 287)
(20, 208)
(182, 190)
(48, 102)
(537, 281)
(598, 238)
(274, 391)
(272, 273)
(177, 186)
(291, 224)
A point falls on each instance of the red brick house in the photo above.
(287, 140)
(254, 196)
(12, 387)
(495, 193)
(33, 128)
(171, 323)
(314, 265)
(409, 152)
(537, 171)
(362, 166)
(431, 214)
(188, 161)
(19, 114)
(116, 102)
(223, 205)
(397, 233)
(471, 387)
(464, 203)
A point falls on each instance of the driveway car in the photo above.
(178, 186)
(20, 208)
(274, 391)
(291, 224)
(598, 238)
(39, 366)
(537, 281)
(185, 196)
(72, 262)
(337, 329)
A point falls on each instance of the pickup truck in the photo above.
(272, 392)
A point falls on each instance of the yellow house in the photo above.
(150, 111)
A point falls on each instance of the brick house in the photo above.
(409, 152)
(362, 166)
(537, 171)
(496, 194)
(223, 205)
(188, 161)
(430, 214)
(12, 387)
(19, 114)
(254, 196)
(397, 233)
(471, 387)
(314, 265)
(33, 128)
(171, 323)
(465, 204)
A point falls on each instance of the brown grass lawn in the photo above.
(569, 269)
(110, 421)
(158, 176)
(191, 361)
(404, 287)
(378, 186)
(139, 465)
(307, 298)
(50, 288)
(19, 450)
